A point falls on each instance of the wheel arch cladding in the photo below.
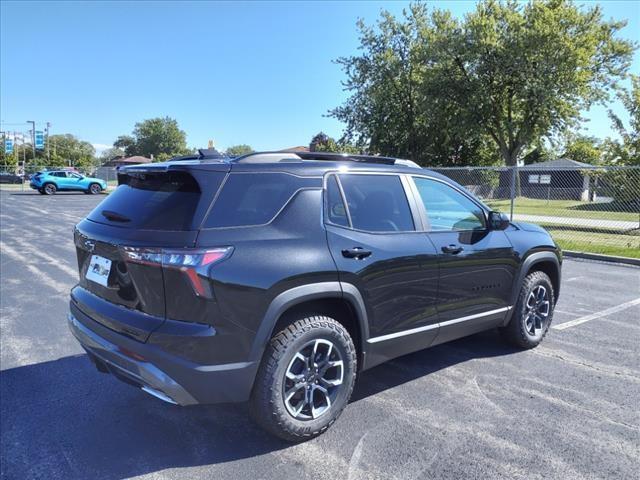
(544, 261)
(326, 298)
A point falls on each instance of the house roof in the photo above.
(300, 148)
(136, 159)
(559, 163)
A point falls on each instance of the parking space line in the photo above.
(593, 316)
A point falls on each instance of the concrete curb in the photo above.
(602, 258)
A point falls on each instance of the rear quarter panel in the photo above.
(267, 260)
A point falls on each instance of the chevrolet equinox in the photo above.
(276, 277)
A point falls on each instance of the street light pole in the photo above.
(33, 138)
(48, 153)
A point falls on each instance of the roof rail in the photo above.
(349, 157)
(261, 157)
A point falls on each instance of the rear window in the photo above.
(250, 199)
(157, 201)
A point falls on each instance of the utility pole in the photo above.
(33, 138)
(48, 153)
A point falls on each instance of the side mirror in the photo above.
(498, 221)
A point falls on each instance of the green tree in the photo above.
(127, 144)
(67, 150)
(160, 137)
(237, 150)
(626, 151)
(321, 142)
(110, 154)
(584, 149)
(397, 107)
(440, 90)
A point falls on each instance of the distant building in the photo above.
(561, 179)
(120, 161)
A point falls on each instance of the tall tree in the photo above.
(160, 137)
(67, 150)
(127, 144)
(437, 89)
(627, 150)
(397, 107)
(321, 142)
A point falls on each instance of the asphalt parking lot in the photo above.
(473, 408)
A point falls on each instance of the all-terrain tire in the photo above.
(516, 332)
(267, 403)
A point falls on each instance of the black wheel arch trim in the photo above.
(531, 259)
(303, 293)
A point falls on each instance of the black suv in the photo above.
(276, 277)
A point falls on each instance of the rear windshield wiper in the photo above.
(114, 216)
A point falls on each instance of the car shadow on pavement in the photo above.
(62, 419)
(424, 362)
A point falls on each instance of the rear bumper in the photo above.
(108, 358)
(157, 372)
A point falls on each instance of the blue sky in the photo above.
(258, 72)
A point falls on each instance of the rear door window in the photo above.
(377, 203)
(336, 211)
(158, 201)
(249, 199)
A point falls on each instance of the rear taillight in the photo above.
(194, 263)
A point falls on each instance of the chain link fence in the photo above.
(18, 178)
(586, 209)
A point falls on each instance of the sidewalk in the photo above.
(579, 222)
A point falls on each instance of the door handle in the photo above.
(356, 252)
(452, 249)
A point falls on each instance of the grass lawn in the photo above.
(605, 243)
(566, 208)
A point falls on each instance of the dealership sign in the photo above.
(39, 140)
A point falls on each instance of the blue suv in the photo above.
(49, 182)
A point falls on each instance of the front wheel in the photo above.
(305, 379)
(94, 189)
(533, 312)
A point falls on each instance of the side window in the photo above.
(59, 174)
(336, 211)
(447, 209)
(377, 203)
(254, 198)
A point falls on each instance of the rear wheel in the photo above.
(94, 189)
(49, 189)
(533, 312)
(305, 379)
